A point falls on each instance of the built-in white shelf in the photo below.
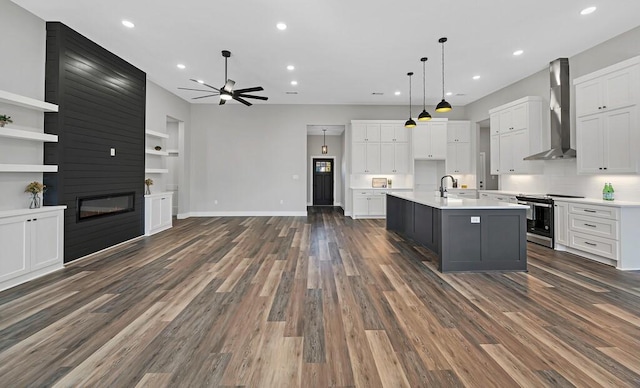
(156, 170)
(27, 135)
(154, 152)
(26, 102)
(156, 134)
(28, 168)
(172, 152)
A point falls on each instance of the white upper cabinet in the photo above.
(458, 147)
(458, 132)
(366, 133)
(430, 140)
(607, 89)
(607, 136)
(394, 158)
(394, 133)
(516, 132)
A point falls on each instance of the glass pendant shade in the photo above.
(424, 116)
(443, 106)
(325, 148)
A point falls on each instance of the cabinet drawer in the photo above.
(380, 192)
(597, 245)
(361, 193)
(602, 227)
(595, 210)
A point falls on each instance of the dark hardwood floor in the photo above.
(316, 301)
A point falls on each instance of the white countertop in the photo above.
(500, 192)
(431, 200)
(22, 212)
(380, 188)
(601, 202)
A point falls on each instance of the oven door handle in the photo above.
(542, 205)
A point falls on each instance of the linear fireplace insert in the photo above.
(105, 205)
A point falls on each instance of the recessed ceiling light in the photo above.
(200, 81)
(397, 93)
(587, 10)
(518, 52)
(294, 83)
(281, 26)
(476, 77)
(181, 66)
(128, 24)
(291, 67)
(449, 93)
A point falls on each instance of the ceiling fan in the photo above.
(227, 92)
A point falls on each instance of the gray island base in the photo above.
(468, 235)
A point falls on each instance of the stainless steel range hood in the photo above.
(560, 116)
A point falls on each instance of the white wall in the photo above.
(22, 63)
(561, 176)
(334, 143)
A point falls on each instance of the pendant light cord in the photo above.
(443, 70)
(410, 74)
(424, 86)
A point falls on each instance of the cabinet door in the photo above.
(14, 255)
(620, 88)
(165, 216)
(421, 139)
(373, 157)
(520, 117)
(360, 206)
(463, 158)
(376, 206)
(495, 155)
(451, 162)
(494, 123)
(401, 158)
(358, 133)
(589, 140)
(45, 241)
(387, 133)
(620, 150)
(156, 213)
(401, 133)
(387, 158)
(359, 158)
(373, 132)
(520, 150)
(588, 98)
(506, 153)
(438, 140)
(506, 120)
(458, 132)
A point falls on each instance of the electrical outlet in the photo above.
(113, 152)
(475, 220)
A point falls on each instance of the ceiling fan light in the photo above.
(225, 96)
(424, 116)
(410, 123)
(443, 106)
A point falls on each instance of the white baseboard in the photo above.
(250, 214)
(182, 216)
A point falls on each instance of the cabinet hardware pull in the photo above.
(604, 107)
(589, 225)
(592, 244)
(589, 211)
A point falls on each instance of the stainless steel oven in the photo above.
(540, 217)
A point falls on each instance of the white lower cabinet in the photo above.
(369, 204)
(32, 244)
(605, 233)
(157, 216)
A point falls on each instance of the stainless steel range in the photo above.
(540, 216)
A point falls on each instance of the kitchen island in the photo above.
(466, 234)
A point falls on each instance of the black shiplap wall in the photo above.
(101, 102)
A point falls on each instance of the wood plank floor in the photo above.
(316, 301)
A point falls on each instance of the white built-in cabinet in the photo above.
(369, 203)
(155, 159)
(607, 136)
(516, 132)
(560, 223)
(379, 148)
(32, 244)
(394, 158)
(458, 158)
(158, 208)
(430, 140)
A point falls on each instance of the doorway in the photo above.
(323, 170)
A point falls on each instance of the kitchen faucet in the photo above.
(443, 189)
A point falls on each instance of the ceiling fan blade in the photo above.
(251, 96)
(228, 86)
(247, 103)
(246, 90)
(208, 95)
(222, 101)
(202, 83)
(197, 90)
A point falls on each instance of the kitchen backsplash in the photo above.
(560, 177)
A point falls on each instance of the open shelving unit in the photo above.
(27, 135)
(156, 134)
(149, 151)
(26, 102)
(156, 170)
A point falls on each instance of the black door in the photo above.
(323, 182)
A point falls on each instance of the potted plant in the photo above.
(35, 188)
(148, 182)
(4, 120)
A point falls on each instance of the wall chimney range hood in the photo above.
(560, 115)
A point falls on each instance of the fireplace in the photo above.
(105, 205)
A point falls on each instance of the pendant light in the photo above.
(443, 106)
(325, 149)
(424, 116)
(410, 123)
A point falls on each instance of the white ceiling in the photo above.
(343, 50)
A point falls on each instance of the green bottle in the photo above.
(605, 192)
(611, 191)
